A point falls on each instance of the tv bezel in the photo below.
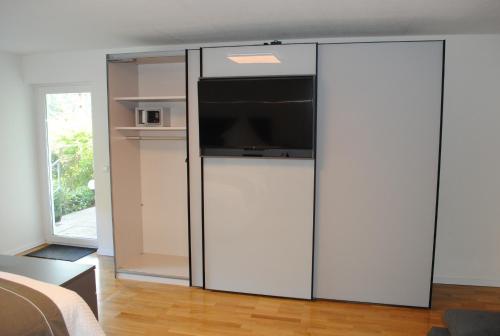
(283, 153)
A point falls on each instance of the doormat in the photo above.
(62, 252)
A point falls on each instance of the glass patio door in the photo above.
(70, 164)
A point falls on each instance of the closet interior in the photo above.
(147, 130)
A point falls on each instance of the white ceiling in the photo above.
(48, 25)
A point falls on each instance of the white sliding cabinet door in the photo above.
(379, 108)
(258, 212)
(195, 188)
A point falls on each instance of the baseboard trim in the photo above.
(147, 278)
(105, 252)
(466, 281)
(90, 243)
(25, 248)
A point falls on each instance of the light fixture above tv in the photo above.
(254, 58)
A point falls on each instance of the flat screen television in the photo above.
(257, 116)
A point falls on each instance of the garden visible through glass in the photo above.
(71, 164)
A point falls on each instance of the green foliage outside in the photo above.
(72, 169)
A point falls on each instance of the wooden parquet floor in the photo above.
(139, 308)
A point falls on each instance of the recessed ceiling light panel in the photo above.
(261, 58)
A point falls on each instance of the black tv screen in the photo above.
(257, 116)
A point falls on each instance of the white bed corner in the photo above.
(78, 317)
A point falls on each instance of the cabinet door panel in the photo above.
(379, 108)
(294, 59)
(258, 225)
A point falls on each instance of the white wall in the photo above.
(468, 233)
(88, 67)
(20, 225)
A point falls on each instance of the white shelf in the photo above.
(169, 266)
(159, 133)
(144, 128)
(151, 99)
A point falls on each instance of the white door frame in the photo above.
(43, 150)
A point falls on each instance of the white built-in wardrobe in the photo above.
(355, 223)
(148, 166)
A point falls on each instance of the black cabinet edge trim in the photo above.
(110, 170)
(261, 44)
(202, 193)
(315, 146)
(203, 218)
(372, 303)
(389, 41)
(187, 168)
(438, 170)
(260, 295)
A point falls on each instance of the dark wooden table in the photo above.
(76, 277)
